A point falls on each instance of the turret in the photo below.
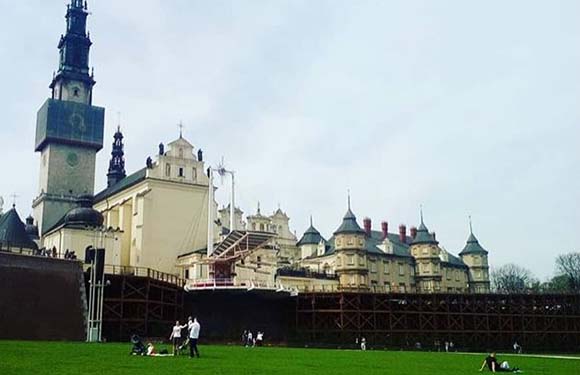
(426, 252)
(476, 258)
(350, 244)
(309, 242)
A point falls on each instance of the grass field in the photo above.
(110, 359)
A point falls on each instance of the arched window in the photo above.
(168, 170)
(262, 227)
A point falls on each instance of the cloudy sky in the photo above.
(465, 107)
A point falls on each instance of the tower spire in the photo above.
(117, 163)
(348, 194)
(310, 220)
(470, 225)
(421, 211)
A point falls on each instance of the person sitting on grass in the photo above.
(492, 364)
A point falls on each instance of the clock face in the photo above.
(72, 159)
(77, 123)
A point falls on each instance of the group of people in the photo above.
(193, 329)
(248, 339)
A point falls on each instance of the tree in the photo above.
(512, 278)
(568, 265)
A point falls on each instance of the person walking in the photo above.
(193, 337)
(175, 337)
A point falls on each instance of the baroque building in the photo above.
(363, 259)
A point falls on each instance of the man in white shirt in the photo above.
(194, 329)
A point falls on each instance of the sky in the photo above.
(463, 107)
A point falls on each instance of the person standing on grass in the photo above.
(176, 336)
(193, 337)
(259, 338)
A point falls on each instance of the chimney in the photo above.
(403, 233)
(385, 229)
(413, 232)
(368, 225)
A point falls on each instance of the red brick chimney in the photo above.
(385, 229)
(368, 226)
(403, 233)
(413, 231)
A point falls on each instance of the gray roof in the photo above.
(372, 243)
(423, 236)
(122, 185)
(472, 246)
(454, 261)
(13, 232)
(310, 237)
(349, 224)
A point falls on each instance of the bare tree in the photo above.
(512, 278)
(568, 265)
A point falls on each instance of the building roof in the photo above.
(13, 232)
(423, 236)
(349, 224)
(472, 246)
(310, 237)
(123, 184)
(372, 244)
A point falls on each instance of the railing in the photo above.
(306, 273)
(232, 284)
(144, 272)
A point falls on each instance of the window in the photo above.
(425, 251)
(194, 174)
(181, 153)
(351, 260)
(448, 272)
(259, 262)
(168, 170)
(253, 226)
(387, 287)
(261, 227)
(181, 172)
(76, 91)
(401, 269)
(349, 241)
(373, 266)
(402, 288)
(386, 267)
(352, 279)
(186, 275)
(456, 275)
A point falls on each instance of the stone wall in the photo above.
(41, 298)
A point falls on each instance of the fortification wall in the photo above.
(41, 298)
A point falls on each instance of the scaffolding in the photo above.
(539, 322)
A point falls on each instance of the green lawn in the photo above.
(109, 359)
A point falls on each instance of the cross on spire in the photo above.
(180, 126)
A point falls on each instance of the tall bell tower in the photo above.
(69, 129)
